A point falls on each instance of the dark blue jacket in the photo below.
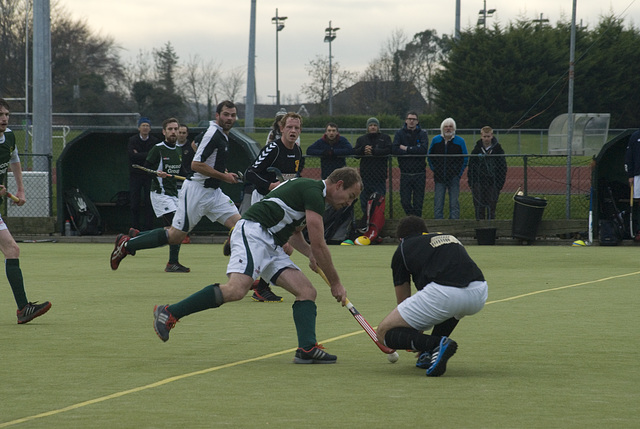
(632, 156)
(417, 143)
(333, 155)
(446, 168)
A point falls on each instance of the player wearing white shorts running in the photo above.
(450, 286)
(256, 250)
(200, 195)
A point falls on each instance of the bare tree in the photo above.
(385, 67)
(209, 79)
(191, 82)
(232, 83)
(317, 90)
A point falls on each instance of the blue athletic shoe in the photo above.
(424, 360)
(440, 356)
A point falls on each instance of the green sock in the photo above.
(174, 251)
(14, 275)
(304, 317)
(209, 297)
(152, 239)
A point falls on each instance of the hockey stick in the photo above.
(591, 217)
(155, 173)
(631, 232)
(13, 197)
(277, 172)
(361, 320)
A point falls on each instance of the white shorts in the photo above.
(254, 253)
(436, 303)
(636, 187)
(3, 225)
(195, 201)
(163, 204)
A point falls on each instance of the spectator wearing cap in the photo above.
(140, 182)
(332, 148)
(373, 149)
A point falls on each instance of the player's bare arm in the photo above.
(298, 242)
(403, 292)
(322, 255)
(207, 170)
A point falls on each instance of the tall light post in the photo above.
(329, 36)
(279, 22)
(484, 14)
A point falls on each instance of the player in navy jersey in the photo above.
(449, 286)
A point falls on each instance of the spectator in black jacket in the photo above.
(486, 174)
(333, 148)
(372, 148)
(412, 144)
(139, 181)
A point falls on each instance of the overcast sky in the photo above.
(217, 29)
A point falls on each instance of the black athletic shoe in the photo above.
(31, 311)
(163, 321)
(424, 360)
(440, 356)
(176, 268)
(119, 251)
(265, 295)
(315, 354)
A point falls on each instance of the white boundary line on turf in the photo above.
(258, 358)
(524, 295)
(160, 383)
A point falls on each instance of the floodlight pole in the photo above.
(279, 22)
(572, 50)
(251, 73)
(329, 36)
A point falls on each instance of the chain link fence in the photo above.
(38, 179)
(543, 176)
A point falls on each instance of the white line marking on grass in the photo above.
(563, 287)
(267, 356)
(160, 383)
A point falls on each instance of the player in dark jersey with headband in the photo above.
(450, 286)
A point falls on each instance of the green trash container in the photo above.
(527, 213)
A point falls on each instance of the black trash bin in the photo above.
(527, 213)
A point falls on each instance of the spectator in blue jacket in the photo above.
(411, 143)
(447, 170)
(332, 148)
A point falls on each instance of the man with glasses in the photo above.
(411, 145)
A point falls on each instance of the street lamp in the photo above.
(484, 14)
(279, 22)
(329, 36)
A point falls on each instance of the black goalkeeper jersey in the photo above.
(439, 258)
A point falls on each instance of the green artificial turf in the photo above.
(555, 346)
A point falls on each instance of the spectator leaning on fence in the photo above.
(9, 159)
(372, 148)
(632, 167)
(447, 170)
(412, 144)
(486, 174)
(139, 181)
(333, 148)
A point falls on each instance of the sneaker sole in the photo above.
(441, 365)
(264, 300)
(156, 311)
(36, 314)
(311, 361)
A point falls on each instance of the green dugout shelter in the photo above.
(610, 183)
(96, 162)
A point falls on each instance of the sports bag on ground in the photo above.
(84, 215)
